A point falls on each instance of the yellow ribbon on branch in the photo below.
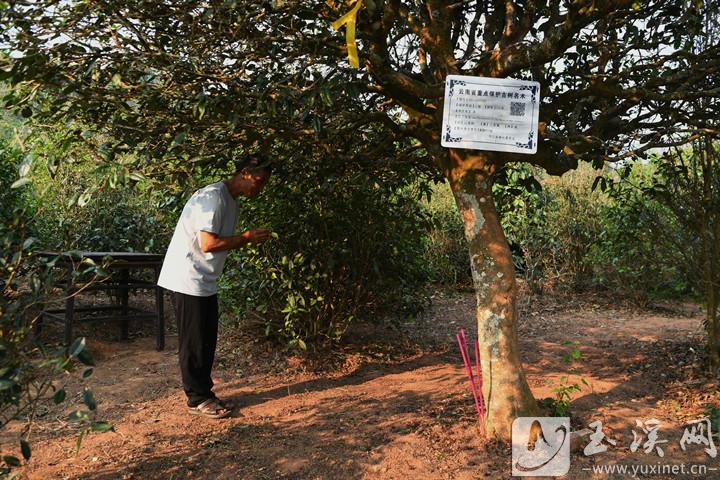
(350, 20)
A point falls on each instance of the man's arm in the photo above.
(212, 242)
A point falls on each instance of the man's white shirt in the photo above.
(187, 269)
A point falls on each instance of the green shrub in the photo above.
(10, 198)
(86, 206)
(446, 250)
(632, 255)
(549, 224)
(575, 223)
(566, 234)
(524, 210)
(349, 247)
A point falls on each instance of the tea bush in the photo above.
(81, 207)
(446, 250)
(566, 234)
(349, 246)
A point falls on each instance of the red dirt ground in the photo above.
(390, 403)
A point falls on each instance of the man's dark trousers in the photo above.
(197, 321)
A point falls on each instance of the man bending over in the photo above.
(193, 263)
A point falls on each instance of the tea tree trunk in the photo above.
(505, 388)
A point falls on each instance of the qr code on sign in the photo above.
(517, 109)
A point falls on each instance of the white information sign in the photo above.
(499, 114)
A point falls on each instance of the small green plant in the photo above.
(713, 413)
(560, 404)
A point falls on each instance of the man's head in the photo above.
(252, 173)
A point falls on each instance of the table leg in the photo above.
(160, 309)
(124, 295)
(69, 309)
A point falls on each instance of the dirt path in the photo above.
(392, 405)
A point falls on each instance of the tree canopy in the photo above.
(198, 80)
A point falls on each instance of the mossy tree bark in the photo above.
(505, 388)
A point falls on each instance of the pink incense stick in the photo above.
(466, 360)
(478, 391)
(479, 385)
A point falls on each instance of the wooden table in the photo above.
(121, 265)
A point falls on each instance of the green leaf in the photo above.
(11, 461)
(29, 242)
(5, 384)
(77, 346)
(84, 199)
(117, 80)
(87, 373)
(101, 426)
(73, 199)
(26, 165)
(89, 400)
(178, 140)
(59, 396)
(87, 359)
(65, 364)
(25, 449)
(20, 182)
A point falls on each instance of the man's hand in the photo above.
(257, 235)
